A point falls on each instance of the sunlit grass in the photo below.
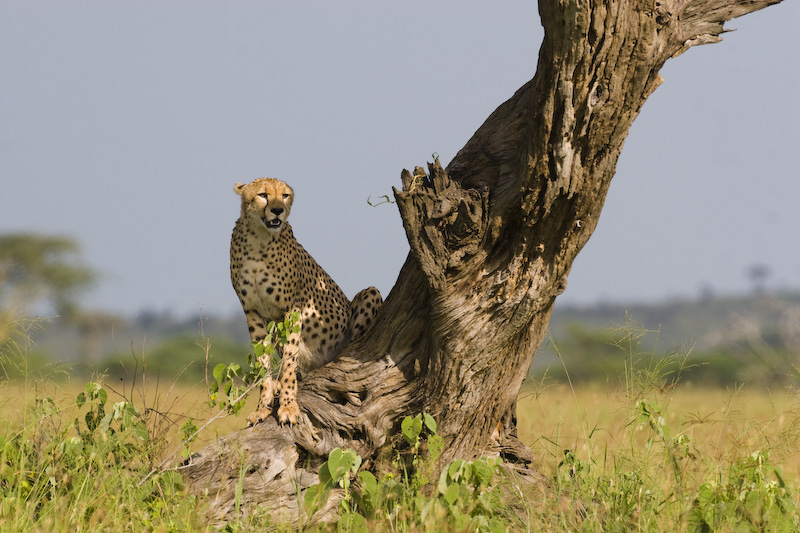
(668, 457)
(591, 422)
(595, 421)
(170, 403)
(597, 425)
(647, 453)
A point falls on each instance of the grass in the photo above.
(645, 454)
(596, 421)
(593, 444)
(651, 454)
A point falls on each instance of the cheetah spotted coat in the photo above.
(273, 275)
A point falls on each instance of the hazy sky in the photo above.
(126, 125)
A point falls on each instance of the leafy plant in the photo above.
(189, 431)
(754, 494)
(124, 416)
(413, 430)
(466, 496)
(336, 471)
(63, 472)
(234, 384)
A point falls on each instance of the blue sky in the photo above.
(126, 125)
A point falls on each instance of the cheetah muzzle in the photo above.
(273, 276)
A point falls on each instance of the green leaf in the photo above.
(430, 422)
(131, 409)
(96, 391)
(140, 431)
(274, 363)
(451, 495)
(411, 428)
(91, 420)
(127, 414)
(105, 423)
(467, 472)
(325, 475)
(496, 526)
(444, 481)
(406, 427)
(483, 473)
(219, 372)
(369, 484)
(454, 469)
(335, 460)
(315, 497)
(435, 446)
(705, 496)
(355, 461)
(80, 400)
(258, 349)
(352, 521)
(187, 428)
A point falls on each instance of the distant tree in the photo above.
(35, 268)
(91, 326)
(758, 275)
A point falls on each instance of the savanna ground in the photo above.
(649, 444)
(639, 454)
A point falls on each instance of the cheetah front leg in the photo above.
(289, 411)
(265, 399)
(258, 332)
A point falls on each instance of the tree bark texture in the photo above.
(492, 240)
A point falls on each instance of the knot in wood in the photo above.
(561, 286)
(662, 13)
(598, 94)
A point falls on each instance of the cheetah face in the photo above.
(266, 203)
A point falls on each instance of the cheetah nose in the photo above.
(277, 210)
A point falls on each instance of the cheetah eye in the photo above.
(286, 195)
(263, 195)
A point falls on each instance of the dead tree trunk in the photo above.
(492, 239)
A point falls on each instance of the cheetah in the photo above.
(273, 276)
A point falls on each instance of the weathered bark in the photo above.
(492, 241)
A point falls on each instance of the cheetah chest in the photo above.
(274, 284)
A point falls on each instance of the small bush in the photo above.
(70, 472)
(466, 497)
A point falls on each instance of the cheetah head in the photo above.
(266, 203)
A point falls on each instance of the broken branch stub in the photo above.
(442, 220)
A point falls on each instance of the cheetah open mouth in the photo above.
(273, 224)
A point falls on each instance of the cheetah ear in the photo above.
(238, 188)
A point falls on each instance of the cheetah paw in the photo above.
(257, 416)
(289, 414)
